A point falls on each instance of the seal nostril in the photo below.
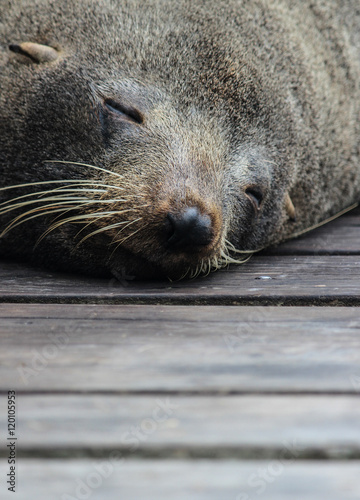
(255, 195)
(125, 111)
(188, 230)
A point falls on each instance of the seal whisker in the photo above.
(87, 182)
(85, 165)
(129, 236)
(122, 229)
(10, 205)
(59, 200)
(108, 227)
(229, 246)
(209, 266)
(40, 183)
(97, 217)
(183, 276)
(45, 210)
(79, 217)
(198, 270)
(95, 183)
(60, 190)
(57, 203)
(227, 259)
(68, 188)
(17, 222)
(76, 219)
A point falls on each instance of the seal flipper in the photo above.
(36, 52)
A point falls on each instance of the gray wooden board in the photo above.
(187, 426)
(342, 237)
(189, 357)
(265, 279)
(184, 480)
(179, 348)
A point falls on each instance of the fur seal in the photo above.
(173, 137)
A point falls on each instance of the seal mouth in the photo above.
(170, 265)
(176, 231)
(179, 265)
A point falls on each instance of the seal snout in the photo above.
(188, 230)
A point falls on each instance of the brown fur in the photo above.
(245, 112)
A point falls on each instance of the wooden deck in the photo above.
(238, 386)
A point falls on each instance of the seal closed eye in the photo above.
(124, 111)
(161, 138)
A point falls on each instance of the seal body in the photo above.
(169, 138)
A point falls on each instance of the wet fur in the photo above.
(232, 96)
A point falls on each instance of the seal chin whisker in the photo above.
(226, 259)
(212, 264)
(208, 268)
(183, 276)
(231, 248)
(219, 262)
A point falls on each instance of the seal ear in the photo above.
(289, 207)
(36, 52)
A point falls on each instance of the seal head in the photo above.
(157, 140)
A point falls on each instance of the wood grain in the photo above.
(190, 480)
(279, 280)
(189, 426)
(340, 237)
(179, 348)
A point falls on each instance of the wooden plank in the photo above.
(341, 237)
(280, 280)
(203, 426)
(184, 480)
(178, 348)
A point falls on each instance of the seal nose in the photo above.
(188, 230)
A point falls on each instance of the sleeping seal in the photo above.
(170, 138)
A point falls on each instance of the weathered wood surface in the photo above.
(254, 393)
(179, 348)
(279, 280)
(186, 480)
(161, 426)
(341, 237)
